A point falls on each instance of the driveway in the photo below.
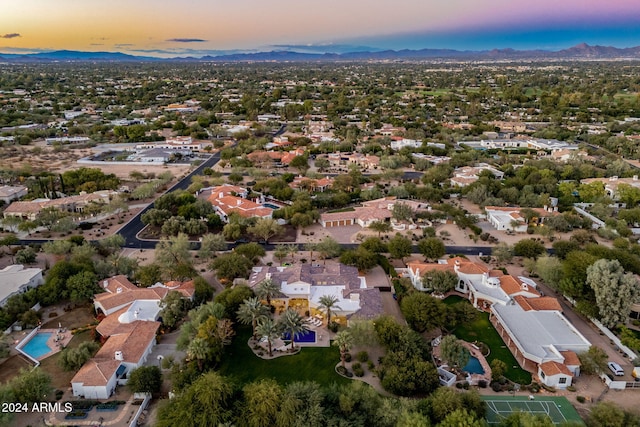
(167, 347)
(391, 307)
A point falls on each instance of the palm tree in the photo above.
(310, 247)
(328, 304)
(199, 350)
(344, 341)
(292, 322)
(250, 311)
(269, 329)
(267, 289)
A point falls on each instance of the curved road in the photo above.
(131, 229)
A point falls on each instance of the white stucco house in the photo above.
(532, 326)
(15, 279)
(130, 326)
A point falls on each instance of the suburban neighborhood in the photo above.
(452, 238)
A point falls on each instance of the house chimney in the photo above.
(105, 284)
(119, 290)
(238, 202)
(119, 356)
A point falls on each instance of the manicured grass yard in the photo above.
(310, 364)
(59, 378)
(482, 330)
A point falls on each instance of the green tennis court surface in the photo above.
(557, 408)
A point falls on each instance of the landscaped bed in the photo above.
(310, 364)
(482, 330)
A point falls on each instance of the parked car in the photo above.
(616, 369)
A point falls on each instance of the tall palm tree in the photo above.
(328, 304)
(268, 328)
(291, 321)
(250, 311)
(344, 341)
(267, 289)
(199, 350)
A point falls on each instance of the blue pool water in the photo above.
(309, 336)
(270, 206)
(37, 346)
(473, 366)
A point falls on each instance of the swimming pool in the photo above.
(37, 345)
(309, 336)
(473, 366)
(270, 206)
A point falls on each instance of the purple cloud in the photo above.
(179, 40)
(10, 35)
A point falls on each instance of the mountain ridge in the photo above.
(579, 51)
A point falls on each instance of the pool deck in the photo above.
(57, 341)
(475, 352)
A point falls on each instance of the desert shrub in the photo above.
(358, 371)
(362, 356)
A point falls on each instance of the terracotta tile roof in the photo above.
(496, 273)
(115, 282)
(132, 344)
(510, 285)
(96, 372)
(545, 304)
(424, 267)
(469, 267)
(244, 207)
(570, 358)
(110, 325)
(110, 301)
(36, 206)
(130, 292)
(555, 368)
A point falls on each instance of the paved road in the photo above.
(130, 230)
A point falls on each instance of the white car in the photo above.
(616, 369)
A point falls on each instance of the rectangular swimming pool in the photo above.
(37, 345)
(309, 336)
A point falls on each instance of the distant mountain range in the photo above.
(581, 51)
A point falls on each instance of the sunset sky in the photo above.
(198, 27)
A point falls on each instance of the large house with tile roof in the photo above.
(302, 286)
(128, 330)
(531, 325)
(370, 212)
(511, 219)
(30, 209)
(227, 199)
(467, 175)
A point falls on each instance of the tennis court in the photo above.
(557, 408)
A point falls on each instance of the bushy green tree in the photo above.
(423, 312)
(614, 289)
(145, 379)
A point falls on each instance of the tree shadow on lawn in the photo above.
(310, 364)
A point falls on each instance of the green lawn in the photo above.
(310, 364)
(482, 330)
(59, 378)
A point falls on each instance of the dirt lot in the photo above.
(42, 157)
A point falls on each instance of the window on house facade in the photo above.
(562, 380)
